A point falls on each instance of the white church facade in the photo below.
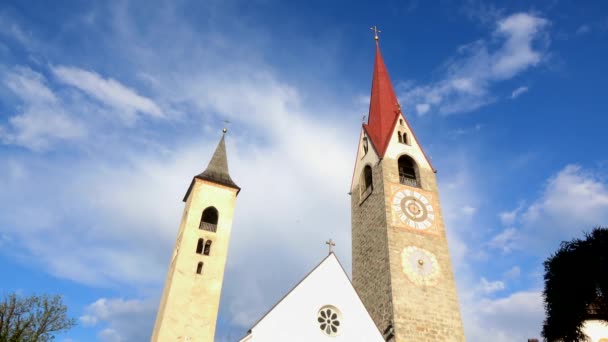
(324, 306)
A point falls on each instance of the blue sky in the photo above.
(107, 109)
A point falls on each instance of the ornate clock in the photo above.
(420, 266)
(413, 209)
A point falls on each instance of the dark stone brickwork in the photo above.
(371, 278)
(418, 313)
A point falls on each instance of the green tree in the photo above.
(33, 318)
(576, 286)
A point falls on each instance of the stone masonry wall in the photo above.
(371, 278)
(421, 313)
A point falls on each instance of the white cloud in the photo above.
(422, 108)
(488, 287)
(506, 241)
(573, 200)
(507, 218)
(141, 190)
(13, 30)
(108, 91)
(124, 320)
(468, 210)
(88, 320)
(518, 43)
(513, 273)
(519, 91)
(516, 317)
(583, 29)
(110, 335)
(518, 53)
(42, 119)
(30, 86)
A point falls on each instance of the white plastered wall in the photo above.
(369, 158)
(294, 318)
(394, 150)
(412, 148)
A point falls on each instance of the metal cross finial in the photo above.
(331, 244)
(376, 31)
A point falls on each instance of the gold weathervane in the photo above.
(376, 31)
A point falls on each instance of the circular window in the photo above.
(329, 319)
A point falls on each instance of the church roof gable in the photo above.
(294, 317)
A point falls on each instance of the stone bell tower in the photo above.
(190, 301)
(401, 264)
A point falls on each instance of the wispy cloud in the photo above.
(109, 92)
(519, 91)
(105, 195)
(507, 218)
(122, 320)
(597, 26)
(495, 319)
(583, 29)
(488, 287)
(42, 119)
(513, 273)
(573, 200)
(518, 43)
(468, 210)
(506, 241)
(11, 29)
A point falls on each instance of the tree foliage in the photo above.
(33, 318)
(576, 286)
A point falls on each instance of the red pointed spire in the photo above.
(383, 106)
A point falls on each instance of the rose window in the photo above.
(329, 319)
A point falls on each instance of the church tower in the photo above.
(190, 301)
(401, 264)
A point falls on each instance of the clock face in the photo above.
(420, 266)
(413, 209)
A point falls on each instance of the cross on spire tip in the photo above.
(331, 244)
(376, 31)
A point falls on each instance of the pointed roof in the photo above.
(383, 106)
(217, 170)
(326, 283)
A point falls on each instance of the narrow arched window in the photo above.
(367, 174)
(401, 122)
(400, 139)
(408, 171)
(199, 246)
(405, 138)
(199, 268)
(209, 219)
(365, 145)
(207, 247)
(366, 182)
